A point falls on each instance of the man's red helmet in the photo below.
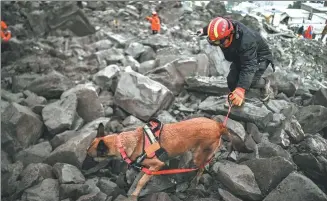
(219, 28)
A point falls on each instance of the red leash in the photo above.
(230, 105)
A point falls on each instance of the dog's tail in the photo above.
(236, 142)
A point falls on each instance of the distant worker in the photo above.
(155, 22)
(308, 32)
(5, 33)
(300, 31)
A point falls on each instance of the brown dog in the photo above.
(200, 135)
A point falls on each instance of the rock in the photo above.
(227, 196)
(4, 104)
(10, 97)
(92, 183)
(130, 61)
(165, 117)
(314, 144)
(156, 41)
(301, 188)
(294, 130)
(68, 174)
(20, 125)
(74, 150)
(46, 190)
(93, 197)
(253, 130)
(239, 179)
(249, 112)
(33, 174)
(313, 167)
(60, 115)
(108, 57)
(9, 178)
(217, 63)
(320, 97)
(86, 96)
(146, 66)
(131, 120)
(156, 184)
(280, 137)
(203, 65)
(162, 196)
(312, 118)
(147, 55)
(212, 85)
(73, 191)
(269, 172)
(34, 154)
(102, 45)
(277, 123)
(35, 102)
(108, 187)
(135, 49)
(131, 95)
(50, 86)
(277, 105)
(61, 138)
(117, 38)
(268, 150)
(233, 126)
(20, 82)
(104, 77)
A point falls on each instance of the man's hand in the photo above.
(237, 96)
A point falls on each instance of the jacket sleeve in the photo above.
(248, 65)
(149, 19)
(205, 30)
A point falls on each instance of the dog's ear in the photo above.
(100, 132)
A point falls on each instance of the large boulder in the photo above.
(141, 96)
(312, 118)
(46, 190)
(296, 187)
(20, 127)
(212, 85)
(320, 97)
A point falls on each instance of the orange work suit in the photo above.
(155, 22)
(5, 35)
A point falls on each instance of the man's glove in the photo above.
(237, 96)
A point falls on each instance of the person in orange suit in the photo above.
(308, 32)
(5, 33)
(155, 22)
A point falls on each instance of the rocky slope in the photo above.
(68, 69)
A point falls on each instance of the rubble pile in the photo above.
(69, 69)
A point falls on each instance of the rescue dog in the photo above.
(201, 136)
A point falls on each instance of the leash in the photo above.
(230, 105)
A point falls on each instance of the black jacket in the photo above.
(248, 48)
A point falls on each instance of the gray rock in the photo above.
(34, 154)
(165, 117)
(46, 190)
(253, 130)
(269, 172)
(92, 183)
(141, 96)
(11, 97)
(102, 45)
(61, 138)
(313, 166)
(4, 104)
(33, 174)
(146, 66)
(120, 198)
(35, 102)
(60, 115)
(104, 77)
(212, 85)
(147, 55)
(312, 118)
(280, 137)
(73, 191)
(130, 61)
(239, 179)
(50, 86)
(314, 144)
(86, 96)
(131, 120)
(117, 38)
(276, 123)
(296, 187)
(268, 149)
(20, 124)
(156, 41)
(249, 112)
(20, 82)
(9, 178)
(227, 196)
(93, 197)
(162, 196)
(294, 130)
(234, 126)
(277, 105)
(67, 174)
(320, 97)
(110, 56)
(135, 49)
(74, 150)
(203, 65)
(108, 187)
